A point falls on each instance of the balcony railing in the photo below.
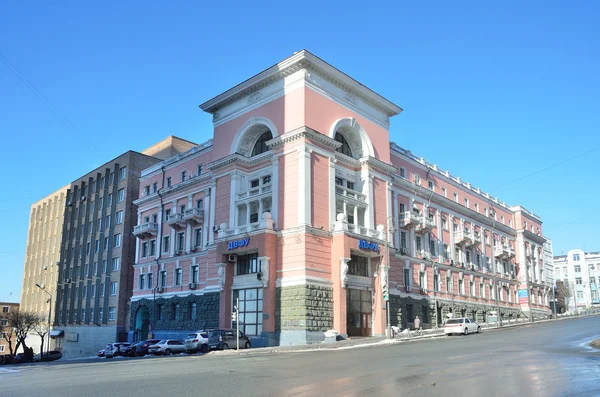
(501, 251)
(476, 239)
(145, 230)
(345, 192)
(176, 220)
(254, 192)
(426, 224)
(409, 218)
(193, 215)
(463, 238)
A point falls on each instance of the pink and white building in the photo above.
(289, 209)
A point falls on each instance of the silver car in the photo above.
(167, 347)
(197, 342)
(114, 349)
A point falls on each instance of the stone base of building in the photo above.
(302, 315)
(85, 341)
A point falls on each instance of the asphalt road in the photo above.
(546, 359)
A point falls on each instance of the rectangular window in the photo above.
(436, 282)
(181, 209)
(109, 203)
(403, 242)
(181, 241)
(115, 264)
(95, 268)
(444, 192)
(163, 278)
(99, 223)
(118, 217)
(575, 256)
(104, 266)
(112, 313)
(198, 238)
(407, 282)
(107, 221)
(169, 181)
(430, 185)
(91, 226)
(578, 281)
(432, 249)
(472, 288)
(247, 264)
(577, 269)
(183, 174)
(152, 247)
(199, 169)
(199, 204)
(93, 291)
(422, 282)
(456, 197)
(402, 173)
(419, 246)
(154, 187)
(476, 207)
(102, 183)
(117, 238)
(84, 292)
(254, 183)
(83, 315)
(417, 179)
(195, 274)
(358, 266)
(144, 249)
(88, 248)
(147, 190)
(92, 318)
(100, 314)
(120, 195)
(150, 280)
(113, 288)
(444, 224)
(250, 314)
(461, 287)
(111, 178)
(178, 276)
(467, 203)
(166, 243)
(105, 243)
(102, 290)
(481, 291)
(122, 173)
(141, 281)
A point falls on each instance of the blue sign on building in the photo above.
(366, 245)
(238, 244)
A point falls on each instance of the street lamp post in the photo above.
(49, 315)
(154, 307)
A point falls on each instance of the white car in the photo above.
(197, 342)
(462, 325)
(167, 347)
(115, 349)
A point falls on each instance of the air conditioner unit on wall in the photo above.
(160, 290)
(232, 257)
(192, 285)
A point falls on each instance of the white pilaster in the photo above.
(274, 189)
(396, 216)
(304, 186)
(332, 195)
(213, 194)
(232, 196)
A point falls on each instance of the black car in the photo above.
(223, 339)
(52, 355)
(139, 348)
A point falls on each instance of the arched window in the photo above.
(261, 144)
(345, 148)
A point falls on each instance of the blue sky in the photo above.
(491, 91)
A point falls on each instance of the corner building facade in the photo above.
(287, 211)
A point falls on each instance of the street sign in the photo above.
(523, 295)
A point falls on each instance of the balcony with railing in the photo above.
(344, 192)
(176, 221)
(409, 218)
(194, 216)
(145, 230)
(476, 239)
(255, 192)
(463, 238)
(426, 224)
(501, 251)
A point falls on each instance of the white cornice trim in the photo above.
(301, 60)
(238, 158)
(303, 132)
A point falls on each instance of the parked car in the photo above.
(461, 326)
(139, 348)
(115, 349)
(197, 342)
(52, 355)
(101, 353)
(223, 339)
(167, 347)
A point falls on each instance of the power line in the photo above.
(550, 167)
(47, 102)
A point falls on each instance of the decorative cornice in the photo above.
(378, 164)
(342, 158)
(532, 236)
(239, 159)
(175, 188)
(306, 133)
(310, 63)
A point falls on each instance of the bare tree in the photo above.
(42, 329)
(563, 293)
(8, 334)
(21, 324)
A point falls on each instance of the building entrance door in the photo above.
(359, 312)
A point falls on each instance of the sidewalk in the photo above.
(376, 341)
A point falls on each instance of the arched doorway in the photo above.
(142, 322)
